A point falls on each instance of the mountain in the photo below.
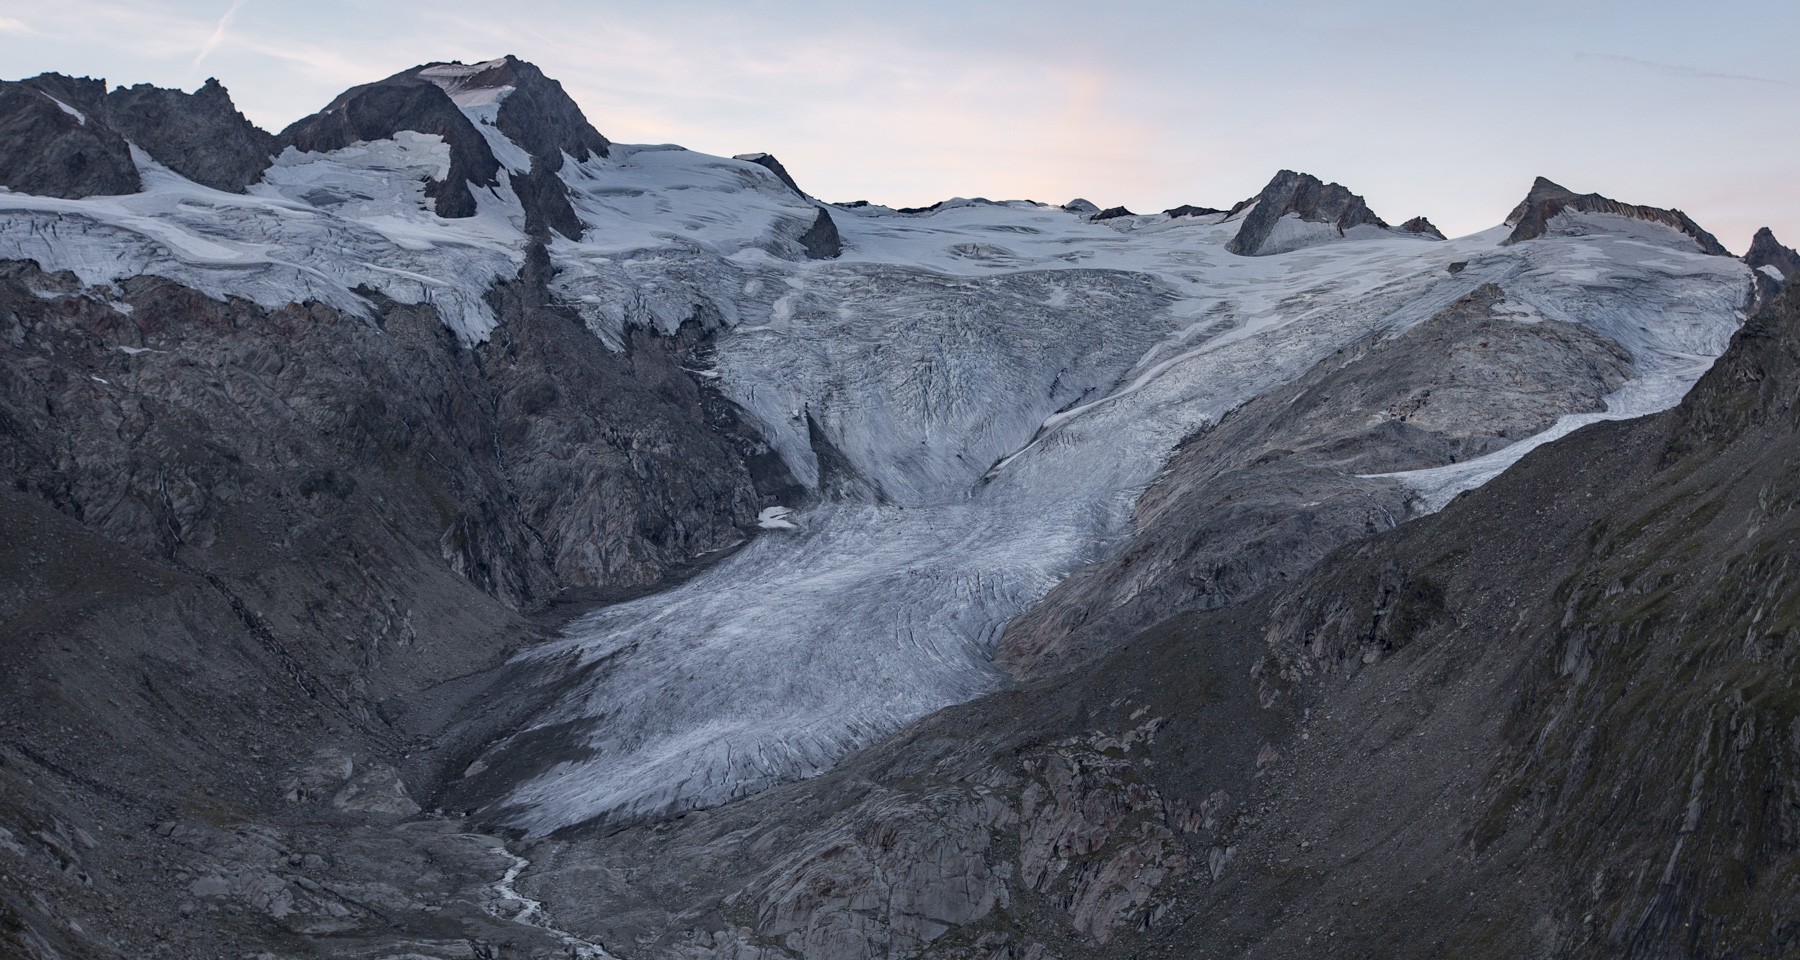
(438, 530)
(502, 117)
(52, 148)
(1774, 264)
(1298, 210)
(1534, 215)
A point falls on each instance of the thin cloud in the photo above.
(14, 26)
(1676, 70)
(218, 35)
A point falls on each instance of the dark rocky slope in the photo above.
(1766, 251)
(1278, 484)
(377, 111)
(50, 151)
(239, 538)
(1558, 718)
(200, 135)
(56, 152)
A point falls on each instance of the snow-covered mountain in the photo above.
(960, 407)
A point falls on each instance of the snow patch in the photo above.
(71, 111)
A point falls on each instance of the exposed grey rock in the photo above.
(51, 151)
(821, 240)
(201, 135)
(539, 116)
(1304, 196)
(1766, 251)
(1113, 213)
(376, 789)
(233, 594)
(536, 115)
(1420, 225)
(1278, 484)
(769, 163)
(1188, 210)
(377, 111)
(1532, 216)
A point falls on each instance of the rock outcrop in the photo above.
(769, 163)
(1283, 480)
(821, 240)
(527, 108)
(200, 135)
(1188, 210)
(1775, 265)
(1766, 251)
(55, 142)
(1301, 198)
(1112, 213)
(1531, 218)
(377, 111)
(1422, 226)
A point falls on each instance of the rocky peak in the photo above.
(1307, 198)
(1530, 219)
(1189, 210)
(769, 163)
(1766, 251)
(449, 100)
(378, 111)
(532, 110)
(55, 141)
(200, 135)
(1081, 206)
(1773, 267)
(1422, 226)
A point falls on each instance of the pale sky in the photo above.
(1434, 107)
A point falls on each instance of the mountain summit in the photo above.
(501, 115)
(1298, 210)
(1531, 218)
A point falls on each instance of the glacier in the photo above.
(975, 394)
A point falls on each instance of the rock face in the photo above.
(1188, 210)
(769, 163)
(294, 527)
(1531, 218)
(821, 240)
(1766, 251)
(201, 135)
(448, 99)
(1282, 481)
(55, 142)
(1420, 225)
(377, 111)
(1775, 265)
(1304, 198)
(1113, 213)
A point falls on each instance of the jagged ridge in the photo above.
(1531, 218)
